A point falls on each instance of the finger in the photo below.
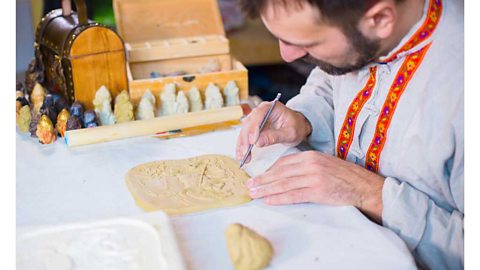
(283, 172)
(274, 136)
(295, 196)
(250, 129)
(302, 159)
(281, 186)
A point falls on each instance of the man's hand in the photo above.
(283, 126)
(315, 177)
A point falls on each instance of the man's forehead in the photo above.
(277, 9)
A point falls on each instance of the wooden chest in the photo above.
(78, 55)
(172, 36)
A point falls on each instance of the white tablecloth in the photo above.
(57, 184)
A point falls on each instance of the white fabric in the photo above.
(422, 158)
(57, 184)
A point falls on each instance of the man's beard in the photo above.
(367, 51)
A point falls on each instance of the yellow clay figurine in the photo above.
(45, 130)
(23, 118)
(62, 119)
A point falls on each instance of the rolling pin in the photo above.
(151, 126)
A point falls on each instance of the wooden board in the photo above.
(239, 74)
(146, 20)
(191, 65)
(177, 48)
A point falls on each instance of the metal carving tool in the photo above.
(261, 127)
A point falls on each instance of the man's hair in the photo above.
(343, 13)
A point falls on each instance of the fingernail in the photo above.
(250, 183)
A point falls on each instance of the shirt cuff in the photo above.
(404, 211)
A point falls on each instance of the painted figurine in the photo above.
(231, 93)
(33, 125)
(37, 97)
(62, 119)
(181, 103)
(24, 117)
(213, 97)
(146, 106)
(77, 110)
(74, 123)
(123, 110)
(20, 102)
(45, 131)
(90, 119)
(195, 99)
(48, 108)
(167, 98)
(103, 107)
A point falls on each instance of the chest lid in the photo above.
(147, 20)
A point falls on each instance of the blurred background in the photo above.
(250, 42)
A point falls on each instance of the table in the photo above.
(57, 184)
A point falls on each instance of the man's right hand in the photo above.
(283, 126)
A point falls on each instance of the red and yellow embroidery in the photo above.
(404, 74)
(348, 127)
(425, 31)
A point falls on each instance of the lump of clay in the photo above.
(247, 249)
(146, 106)
(213, 97)
(167, 99)
(103, 107)
(195, 100)
(90, 119)
(24, 117)
(48, 108)
(188, 185)
(123, 110)
(45, 131)
(62, 119)
(213, 65)
(182, 103)
(231, 93)
(37, 97)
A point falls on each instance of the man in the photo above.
(383, 111)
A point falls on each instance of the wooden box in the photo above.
(78, 55)
(168, 36)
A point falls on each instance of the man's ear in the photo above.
(379, 20)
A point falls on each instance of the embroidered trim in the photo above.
(405, 73)
(425, 31)
(348, 128)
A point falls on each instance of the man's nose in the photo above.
(291, 53)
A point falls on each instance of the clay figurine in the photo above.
(62, 119)
(90, 119)
(59, 102)
(37, 97)
(45, 131)
(103, 107)
(213, 65)
(74, 123)
(182, 103)
(24, 117)
(77, 110)
(123, 110)
(33, 125)
(48, 108)
(231, 94)
(195, 100)
(167, 99)
(213, 97)
(146, 106)
(20, 102)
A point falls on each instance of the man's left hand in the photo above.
(319, 178)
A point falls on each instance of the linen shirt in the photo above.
(422, 158)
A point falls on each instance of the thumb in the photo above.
(273, 136)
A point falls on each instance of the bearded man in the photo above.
(383, 111)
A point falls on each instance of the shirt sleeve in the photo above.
(434, 233)
(315, 102)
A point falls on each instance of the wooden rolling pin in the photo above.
(152, 126)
